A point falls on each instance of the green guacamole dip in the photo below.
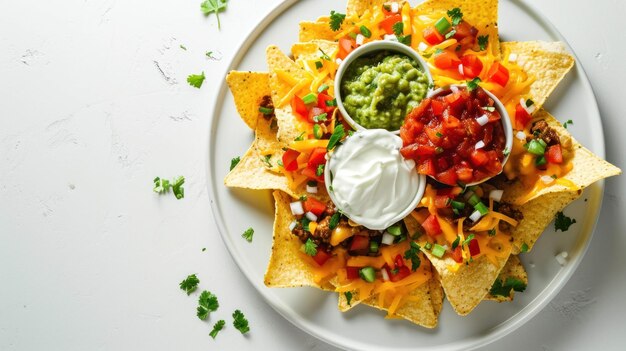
(379, 90)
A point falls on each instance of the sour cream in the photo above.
(370, 182)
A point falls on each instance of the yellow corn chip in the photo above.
(512, 269)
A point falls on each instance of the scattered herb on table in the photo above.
(207, 302)
(162, 186)
(190, 284)
(196, 80)
(214, 6)
(217, 327)
(568, 122)
(240, 322)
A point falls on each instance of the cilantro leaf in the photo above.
(266, 160)
(562, 222)
(568, 122)
(248, 234)
(324, 55)
(213, 6)
(310, 247)
(196, 80)
(189, 284)
(483, 40)
(348, 295)
(455, 15)
(524, 248)
(320, 170)
(217, 327)
(183, 47)
(468, 239)
(240, 322)
(207, 302)
(338, 133)
(500, 288)
(162, 186)
(456, 241)
(336, 20)
(398, 28)
(405, 39)
(234, 162)
(413, 254)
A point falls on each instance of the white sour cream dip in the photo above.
(370, 182)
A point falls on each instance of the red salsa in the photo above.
(454, 137)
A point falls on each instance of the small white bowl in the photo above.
(507, 126)
(370, 48)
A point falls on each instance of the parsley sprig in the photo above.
(207, 302)
(504, 289)
(413, 254)
(240, 322)
(196, 80)
(162, 186)
(189, 284)
(455, 15)
(214, 6)
(248, 234)
(336, 20)
(217, 327)
(562, 222)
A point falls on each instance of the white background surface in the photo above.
(91, 258)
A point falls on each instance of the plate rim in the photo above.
(595, 193)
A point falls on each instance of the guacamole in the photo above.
(379, 90)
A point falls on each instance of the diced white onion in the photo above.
(482, 120)
(387, 239)
(311, 189)
(561, 258)
(385, 275)
(496, 195)
(445, 247)
(475, 216)
(454, 89)
(530, 109)
(546, 179)
(422, 46)
(521, 135)
(512, 57)
(296, 208)
(311, 216)
(395, 7)
(479, 145)
(461, 69)
(359, 39)
(292, 225)
(390, 37)
(338, 61)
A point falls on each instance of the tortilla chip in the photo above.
(548, 62)
(467, 287)
(424, 312)
(319, 29)
(310, 50)
(289, 127)
(512, 269)
(287, 267)
(358, 7)
(248, 89)
(482, 14)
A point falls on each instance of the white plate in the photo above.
(365, 328)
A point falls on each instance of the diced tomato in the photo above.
(442, 201)
(465, 30)
(387, 23)
(399, 273)
(399, 261)
(438, 107)
(457, 254)
(451, 122)
(479, 157)
(317, 157)
(290, 160)
(432, 36)
(464, 173)
(360, 242)
(448, 177)
(321, 256)
(315, 206)
(312, 174)
(447, 60)
(522, 117)
(434, 135)
(431, 226)
(498, 74)
(472, 66)
(299, 107)
(455, 99)
(554, 154)
(473, 247)
(321, 103)
(352, 272)
(346, 45)
(426, 167)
